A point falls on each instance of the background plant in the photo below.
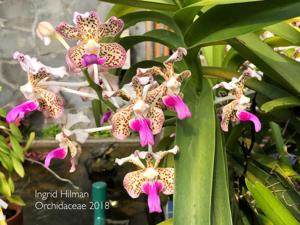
(237, 177)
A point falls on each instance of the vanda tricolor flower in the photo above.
(149, 179)
(168, 93)
(89, 31)
(147, 119)
(70, 137)
(40, 98)
(235, 111)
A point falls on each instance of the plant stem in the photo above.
(83, 94)
(92, 130)
(65, 84)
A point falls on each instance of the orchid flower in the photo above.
(235, 111)
(89, 31)
(16, 114)
(149, 179)
(48, 102)
(168, 93)
(140, 116)
(70, 139)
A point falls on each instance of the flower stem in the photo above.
(96, 76)
(92, 130)
(97, 90)
(66, 84)
(83, 94)
(61, 40)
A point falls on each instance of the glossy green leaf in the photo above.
(120, 10)
(285, 31)
(280, 145)
(216, 2)
(280, 103)
(4, 186)
(131, 19)
(282, 70)
(196, 140)
(15, 131)
(166, 5)
(11, 184)
(216, 25)
(17, 149)
(214, 55)
(221, 213)
(18, 167)
(15, 199)
(167, 222)
(270, 205)
(167, 38)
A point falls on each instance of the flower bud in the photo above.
(45, 31)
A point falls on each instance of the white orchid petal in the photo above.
(73, 119)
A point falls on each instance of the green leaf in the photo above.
(280, 146)
(141, 16)
(216, 24)
(196, 139)
(167, 38)
(166, 5)
(166, 222)
(280, 103)
(214, 55)
(217, 2)
(18, 167)
(15, 199)
(15, 131)
(2, 113)
(4, 186)
(11, 184)
(282, 70)
(285, 31)
(17, 149)
(270, 205)
(120, 10)
(6, 162)
(221, 213)
(29, 141)
(97, 111)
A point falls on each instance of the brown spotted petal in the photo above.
(166, 176)
(67, 31)
(73, 58)
(111, 27)
(133, 183)
(49, 102)
(157, 119)
(87, 25)
(114, 54)
(120, 123)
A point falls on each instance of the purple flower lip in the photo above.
(153, 190)
(106, 116)
(90, 59)
(176, 102)
(247, 116)
(59, 153)
(142, 126)
(20, 111)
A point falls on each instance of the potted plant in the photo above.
(12, 156)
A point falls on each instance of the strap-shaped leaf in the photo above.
(281, 70)
(227, 21)
(270, 205)
(166, 5)
(194, 167)
(221, 213)
(280, 103)
(167, 38)
(131, 19)
(285, 31)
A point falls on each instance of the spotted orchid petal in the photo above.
(105, 117)
(59, 153)
(157, 118)
(143, 126)
(133, 182)
(177, 55)
(119, 121)
(50, 103)
(111, 27)
(245, 116)
(166, 177)
(153, 190)
(32, 65)
(20, 111)
(176, 102)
